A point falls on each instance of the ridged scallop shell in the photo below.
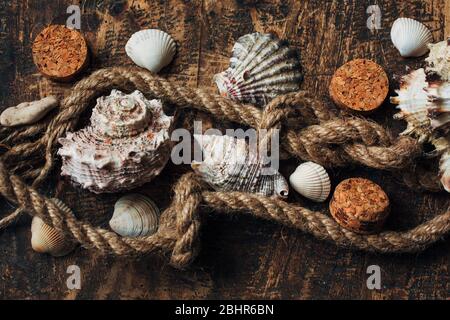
(46, 239)
(230, 165)
(312, 181)
(135, 215)
(125, 146)
(410, 37)
(424, 102)
(261, 68)
(151, 49)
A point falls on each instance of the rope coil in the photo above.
(325, 139)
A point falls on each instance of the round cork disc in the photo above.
(60, 53)
(360, 205)
(359, 85)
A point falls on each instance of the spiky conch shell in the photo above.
(46, 239)
(231, 165)
(125, 146)
(424, 102)
(261, 68)
(135, 215)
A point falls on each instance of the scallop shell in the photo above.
(151, 49)
(424, 102)
(231, 165)
(311, 181)
(126, 144)
(46, 239)
(261, 68)
(135, 216)
(410, 37)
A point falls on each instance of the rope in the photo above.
(323, 137)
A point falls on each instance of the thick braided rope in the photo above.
(180, 223)
(325, 139)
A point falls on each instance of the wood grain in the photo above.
(241, 257)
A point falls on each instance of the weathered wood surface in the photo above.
(241, 257)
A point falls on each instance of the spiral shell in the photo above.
(261, 68)
(230, 165)
(424, 102)
(410, 37)
(126, 144)
(151, 49)
(135, 215)
(46, 239)
(311, 181)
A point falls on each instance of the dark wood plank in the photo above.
(241, 257)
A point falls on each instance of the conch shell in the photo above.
(135, 215)
(126, 144)
(231, 165)
(261, 68)
(424, 102)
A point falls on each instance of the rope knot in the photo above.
(188, 196)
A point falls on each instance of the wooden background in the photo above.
(241, 257)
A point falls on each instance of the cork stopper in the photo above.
(60, 53)
(359, 85)
(360, 205)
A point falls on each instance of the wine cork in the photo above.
(359, 85)
(360, 205)
(60, 53)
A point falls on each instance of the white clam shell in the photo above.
(125, 146)
(151, 49)
(46, 239)
(28, 112)
(311, 181)
(410, 37)
(135, 215)
(261, 68)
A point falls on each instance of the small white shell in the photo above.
(46, 239)
(151, 49)
(135, 216)
(410, 37)
(311, 181)
(28, 112)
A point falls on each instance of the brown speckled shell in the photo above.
(360, 205)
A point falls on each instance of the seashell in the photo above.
(438, 61)
(27, 112)
(261, 68)
(135, 216)
(151, 49)
(46, 239)
(231, 165)
(424, 102)
(311, 181)
(125, 146)
(410, 37)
